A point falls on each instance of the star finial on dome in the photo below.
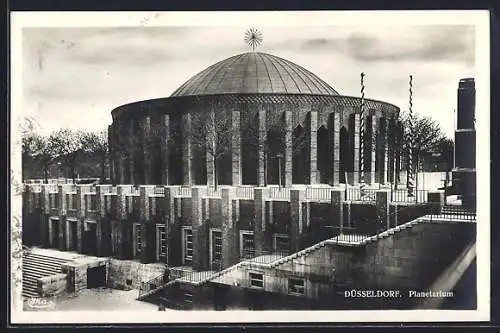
(253, 37)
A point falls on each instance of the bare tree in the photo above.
(97, 143)
(67, 144)
(212, 133)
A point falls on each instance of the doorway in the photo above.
(96, 277)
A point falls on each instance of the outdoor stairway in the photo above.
(36, 266)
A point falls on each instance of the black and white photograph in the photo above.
(181, 167)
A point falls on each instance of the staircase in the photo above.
(36, 266)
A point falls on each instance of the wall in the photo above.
(52, 285)
(119, 271)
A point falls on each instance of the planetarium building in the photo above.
(254, 119)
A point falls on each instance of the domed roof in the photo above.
(254, 73)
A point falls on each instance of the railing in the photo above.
(52, 188)
(355, 194)
(277, 192)
(151, 285)
(35, 187)
(160, 190)
(212, 192)
(318, 193)
(185, 191)
(401, 195)
(454, 213)
(244, 192)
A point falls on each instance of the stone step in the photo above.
(30, 293)
(41, 265)
(39, 271)
(38, 257)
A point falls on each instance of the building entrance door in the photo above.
(54, 241)
(89, 241)
(96, 277)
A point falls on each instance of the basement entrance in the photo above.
(96, 277)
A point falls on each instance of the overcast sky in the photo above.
(74, 77)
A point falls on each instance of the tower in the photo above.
(464, 171)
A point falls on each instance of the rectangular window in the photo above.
(137, 231)
(161, 241)
(216, 246)
(257, 280)
(247, 247)
(296, 286)
(188, 245)
(281, 243)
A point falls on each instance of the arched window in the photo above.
(323, 154)
(300, 156)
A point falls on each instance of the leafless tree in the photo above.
(212, 133)
(67, 144)
(97, 143)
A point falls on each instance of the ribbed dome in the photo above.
(254, 73)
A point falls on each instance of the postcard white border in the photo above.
(480, 19)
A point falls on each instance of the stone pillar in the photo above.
(262, 158)
(165, 143)
(384, 131)
(335, 149)
(121, 210)
(186, 150)
(391, 151)
(437, 199)
(172, 232)
(45, 223)
(101, 217)
(288, 148)
(259, 225)
(210, 137)
(147, 254)
(372, 149)
(337, 208)
(200, 231)
(146, 145)
(62, 217)
(80, 208)
(297, 197)
(355, 165)
(230, 254)
(236, 148)
(382, 198)
(131, 154)
(313, 148)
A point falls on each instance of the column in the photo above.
(112, 161)
(437, 200)
(80, 207)
(146, 148)
(288, 149)
(262, 158)
(335, 149)
(313, 148)
(165, 143)
(236, 148)
(297, 197)
(121, 215)
(101, 217)
(391, 145)
(186, 149)
(230, 253)
(131, 154)
(210, 137)
(337, 208)
(172, 232)
(45, 212)
(147, 254)
(200, 231)
(355, 165)
(385, 152)
(398, 152)
(62, 217)
(382, 198)
(373, 149)
(259, 225)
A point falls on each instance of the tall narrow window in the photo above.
(161, 242)
(247, 247)
(187, 246)
(137, 234)
(257, 280)
(281, 243)
(216, 248)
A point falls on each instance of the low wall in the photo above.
(52, 285)
(128, 275)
